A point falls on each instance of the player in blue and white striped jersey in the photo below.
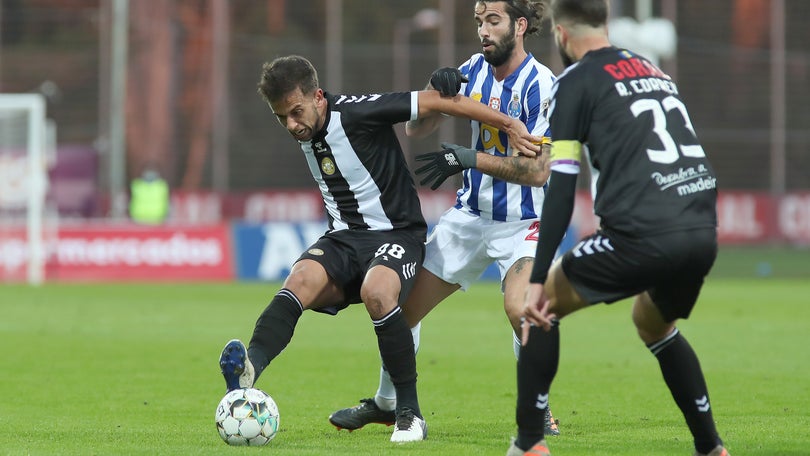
(523, 94)
(497, 210)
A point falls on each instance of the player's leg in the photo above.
(538, 361)
(513, 245)
(388, 282)
(427, 293)
(681, 370)
(307, 286)
(454, 257)
(514, 291)
(655, 314)
(311, 283)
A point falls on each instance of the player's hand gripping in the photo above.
(447, 81)
(535, 311)
(521, 141)
(452, 159)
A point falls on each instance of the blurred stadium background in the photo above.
(171, 85)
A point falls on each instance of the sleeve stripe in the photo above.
(414, 105)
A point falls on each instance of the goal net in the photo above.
(27, 149)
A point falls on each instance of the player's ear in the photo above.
(560, 34)
(318, 96)
(520, 25)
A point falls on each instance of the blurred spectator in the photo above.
(149, 198)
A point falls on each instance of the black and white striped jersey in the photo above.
(358, 164)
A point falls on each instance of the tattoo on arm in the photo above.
(517, 169)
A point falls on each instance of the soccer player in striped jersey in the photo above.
(375, 242)
(497, 210)
(656, 199)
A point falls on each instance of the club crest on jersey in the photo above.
(495, 103)
(328, 166)
(514, 107)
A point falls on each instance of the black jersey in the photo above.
(358, 164)
(651, 172)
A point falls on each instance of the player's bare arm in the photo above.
(452, 159)
(447, 81)
(423, 126)
(426, 125)
(431, 102)
(517, 169)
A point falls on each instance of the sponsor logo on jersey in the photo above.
(319, 148)
(514, 108)
(495, 103)
(316, 252)
(633, 67)
(328, 166)
(476, 96)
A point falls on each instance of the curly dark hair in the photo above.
(534, 12)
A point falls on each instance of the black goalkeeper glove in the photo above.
(447, 81)
(453, 159)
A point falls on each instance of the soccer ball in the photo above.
(247, 416)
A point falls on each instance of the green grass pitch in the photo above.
(132, 369)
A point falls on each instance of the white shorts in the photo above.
(461, 246)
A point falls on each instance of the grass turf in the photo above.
(132, 369)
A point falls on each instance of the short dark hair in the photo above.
(532, 11)
(588, 12)
(285, 74)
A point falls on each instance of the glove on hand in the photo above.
(452, 159)
(447, 81)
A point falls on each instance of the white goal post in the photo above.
(24, 141)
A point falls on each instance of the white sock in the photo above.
(415, 332)
(516, 345)
(386, 397)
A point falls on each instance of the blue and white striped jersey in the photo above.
(524, 94)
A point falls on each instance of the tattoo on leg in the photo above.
(522, 263)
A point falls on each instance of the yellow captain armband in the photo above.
(566, 156)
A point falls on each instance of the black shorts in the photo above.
(608, 266)
(348, 254)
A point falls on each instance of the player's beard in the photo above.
(503, 50)
(566, 59)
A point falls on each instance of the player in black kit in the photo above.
(375, 242)
(655, 194)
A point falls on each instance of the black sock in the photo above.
(536, 368)
(274, 329)
(684, 377)
(396, 350)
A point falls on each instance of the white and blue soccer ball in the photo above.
(247, 416)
